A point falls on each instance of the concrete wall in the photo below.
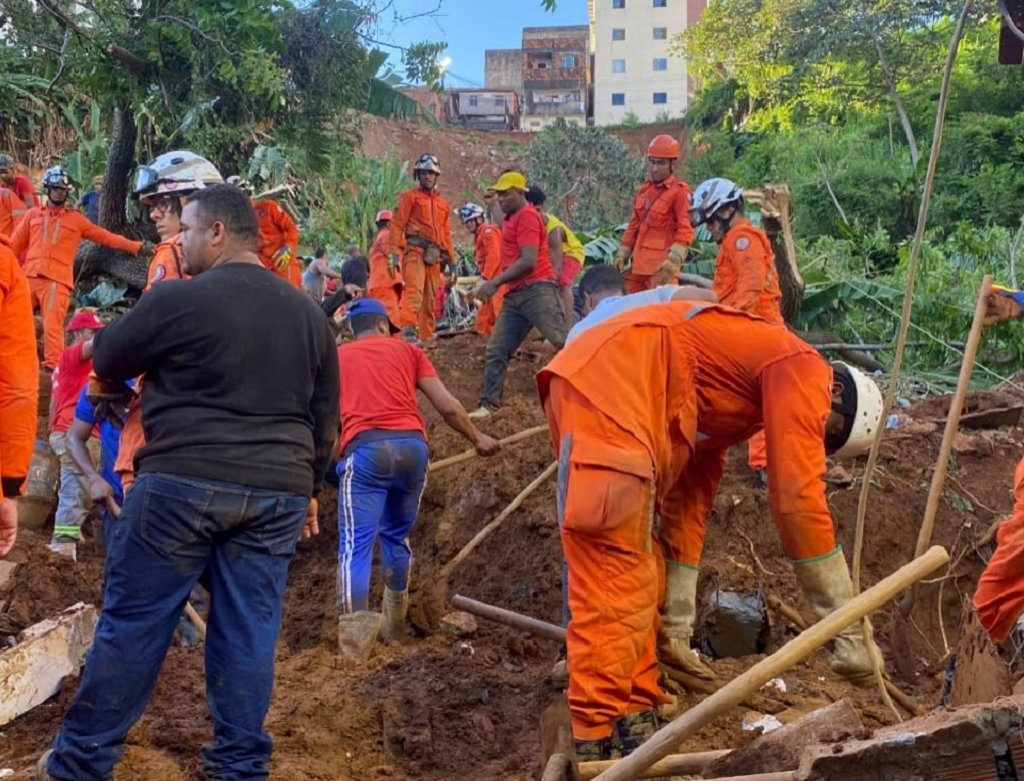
(503, 69)
(638, 50)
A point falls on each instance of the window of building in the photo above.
(575, 97)
(618, 33)
(660, 97)
(660, 33)
(541, 65)
(618, 66)
(473, 101)
(499, 102)
(618, 98)
(569, 61)
(660, 3)
(661, 63)
(618, 3)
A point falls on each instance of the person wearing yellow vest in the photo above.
(565, 249)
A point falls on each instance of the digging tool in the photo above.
(557, 768)
(672, 765)
(669, 736)
(433, 466)
(485, 532)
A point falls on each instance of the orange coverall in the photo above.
(751, 373)
(19, 373)
(999, 598)
(12, 209)
(385, 288)
(621, 404)
(167, 262)
(427, 215)
(661, 218)
(745, 278)
(277, 230)
(51, 236)
(487, 252)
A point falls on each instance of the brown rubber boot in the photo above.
(357, 632)
(634, 729)
(394, 609)
(593, 750)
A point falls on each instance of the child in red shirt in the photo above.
(69, 377)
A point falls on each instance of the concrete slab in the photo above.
(31, 671)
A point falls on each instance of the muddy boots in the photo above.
(593, 750)
(357, 632)
(677, 619)
(634, 729)
(827, 585)
(395, 606)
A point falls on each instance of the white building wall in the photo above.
(636, 87)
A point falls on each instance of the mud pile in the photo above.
(435, 707)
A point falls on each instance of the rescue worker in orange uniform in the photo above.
(50, 235)
(421, 239)
(385, 281)
(659, 228)
(162, 187)
(279, 236)
(752, 374)
(12, 209)
(487, 256)
(745, 274)
(999, 598)
(19, 390)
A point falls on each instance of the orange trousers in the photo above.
(615, 576)
(487, 314)
(999, 598)
(796, 398)
(757, 451)
(637, 283)
(420, 295)
(389, 297)
(52, 300)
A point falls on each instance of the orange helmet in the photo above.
(664, 146)
(384, 214)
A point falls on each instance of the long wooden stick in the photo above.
(466, 455)
(510, 618)
(557, 768)
(485, 532)
(668, 737)
(672, 765)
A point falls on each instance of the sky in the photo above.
(469, 27)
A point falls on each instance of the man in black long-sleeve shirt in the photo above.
(240, 412)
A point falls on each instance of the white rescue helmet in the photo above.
(241, 183)
(861, 406)
(56, 177)
(710, 196)
(470, 212)
(179, 173)
(427, 162)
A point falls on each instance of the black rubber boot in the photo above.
(593, 750)
(633, 730)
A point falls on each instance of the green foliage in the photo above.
(90, 158)
(422, 66)
(588, 174)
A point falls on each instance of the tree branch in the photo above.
(132, 62)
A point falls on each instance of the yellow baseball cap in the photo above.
(511, 180)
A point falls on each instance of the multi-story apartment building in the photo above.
(634, 75)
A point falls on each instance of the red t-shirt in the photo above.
(69, 378)
(523, 229)
(378, 386)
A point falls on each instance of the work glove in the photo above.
(148, 250)
(110, 399)
(667, 274)
(394, 261)
(622, 256)
(1003, 304)
(677, 254)
(282, 258)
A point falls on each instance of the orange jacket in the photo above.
(277, 229)
(378, 259)
(745, 276)
(51, 234)
(12, 209)
(487, 250)
(424, 214)
(661, 218)
(167, 262)
(19, 373)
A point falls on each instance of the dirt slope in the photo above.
(435, 708)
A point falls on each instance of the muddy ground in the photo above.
(434, 707)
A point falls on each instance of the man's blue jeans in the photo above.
(171, 530)
(379, 495)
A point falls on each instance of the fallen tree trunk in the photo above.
(776, 221)
(860, 358)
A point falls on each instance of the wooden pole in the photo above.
(672, 765)
(466, 455)
(485, 532)
(668, 737)
(509, 618)
(557, 768)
